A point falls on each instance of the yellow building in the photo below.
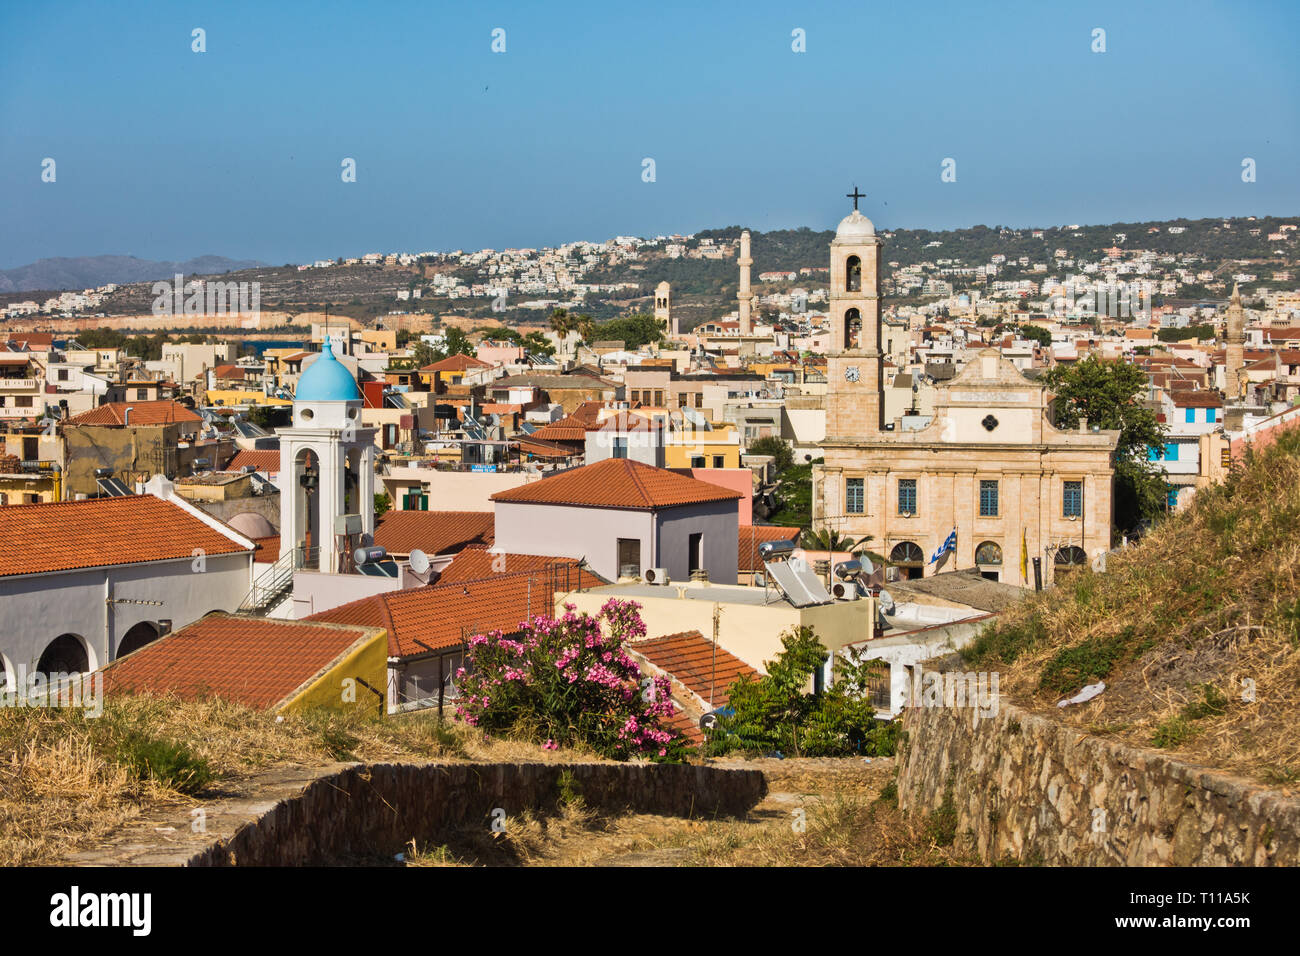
(688, 447)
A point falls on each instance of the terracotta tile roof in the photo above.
(546, 449)
(96, 532)
(267, 460)
(445, 616)
(570, 428)
(618, 483)
(228, 371)
(433, 532)
(751, 536)
(142, 413)
(456, 363)
(268, 548)
(588, 413)
(627, 422)
(475, 563)
(690, 659)
(1196, 399)
(256, 661)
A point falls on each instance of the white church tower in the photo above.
(327, 468)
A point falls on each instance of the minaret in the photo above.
(854, 400)
(743, 296)
(1235, 357)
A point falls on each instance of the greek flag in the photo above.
(949, 544)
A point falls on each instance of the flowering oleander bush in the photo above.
(570, 680)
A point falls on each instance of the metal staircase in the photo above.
(271, 585)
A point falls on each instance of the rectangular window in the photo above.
(695, 553)
(1153, 453)
(1211, 415)
(697, 461)
(907, 496)
(854, 496)
(629, 557)
(699, 399)
(141, 394)
(63, 375)
(1191, 415)
(1072, 499)
(718, 461)
(620, 448)
(1171, 452)
(988, 499)
(659, 398)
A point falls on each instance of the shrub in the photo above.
(569, 680)
(166, 762)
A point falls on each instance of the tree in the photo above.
(1035, 334)
(1107, 394)
(422, 354)
(829, 540)
(778, 448)
(586, 328)
(458, 342)
(383, 503)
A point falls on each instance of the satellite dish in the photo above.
(418, 561)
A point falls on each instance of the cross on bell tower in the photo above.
(855, 196)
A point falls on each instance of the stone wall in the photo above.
(371, 810)
(1028, 788)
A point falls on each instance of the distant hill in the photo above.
(87, 272)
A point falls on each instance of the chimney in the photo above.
(1083, 424)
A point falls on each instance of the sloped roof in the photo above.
(751, 536)
(259, 662)
(262, 459)
(64, 535)
(618, 483)
(456, 363)
(569, 428)
(162, 412)
(433, 532)
(445, 616)
(475, 563)
(696, 663)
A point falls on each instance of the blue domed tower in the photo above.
(327, 468)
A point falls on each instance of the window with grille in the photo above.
(1072, 499)
(988, 499)
(907, 496)
(854, 496)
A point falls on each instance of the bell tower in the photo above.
(854, 402)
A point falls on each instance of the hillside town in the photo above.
(890, 475)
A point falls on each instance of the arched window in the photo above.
(908, 557)
(66, 654)
(988, 553)
(1069, 560)
(853, 274)
(852, 328)
(137, 637)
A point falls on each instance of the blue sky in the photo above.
(166, 153)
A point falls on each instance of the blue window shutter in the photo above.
(1171, 452)
(1153, 453)
(1191, 415)
(1211, 415)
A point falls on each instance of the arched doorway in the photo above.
(137, 637)
(66, 654)
(852, 328)
(988, 558)
(1069, 560)
(853, 274)
(909, 559)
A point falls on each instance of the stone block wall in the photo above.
(378, 809)
(1028, 788)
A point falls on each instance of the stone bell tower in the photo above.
(854, 400)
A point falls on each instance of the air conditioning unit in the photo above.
(656, 576)
(844, 591)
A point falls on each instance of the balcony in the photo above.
(20, 384)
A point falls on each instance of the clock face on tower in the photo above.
(851, 374)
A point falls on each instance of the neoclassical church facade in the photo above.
(989, 466)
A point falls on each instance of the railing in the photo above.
(272, 584)
(22, 384)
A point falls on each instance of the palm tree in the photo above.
(561, 325)
(586, 328)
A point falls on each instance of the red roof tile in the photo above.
(61, 536)
(704, 668)
(256, 661)
(142, 413)
(475, 563)
(433, 532)
(618, 483)
(751, 536)
(267, 460)
(456, 363)
(445, 616)
(571, 428)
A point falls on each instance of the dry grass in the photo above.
(841, 827)
(1181, 628)
(66, 779)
